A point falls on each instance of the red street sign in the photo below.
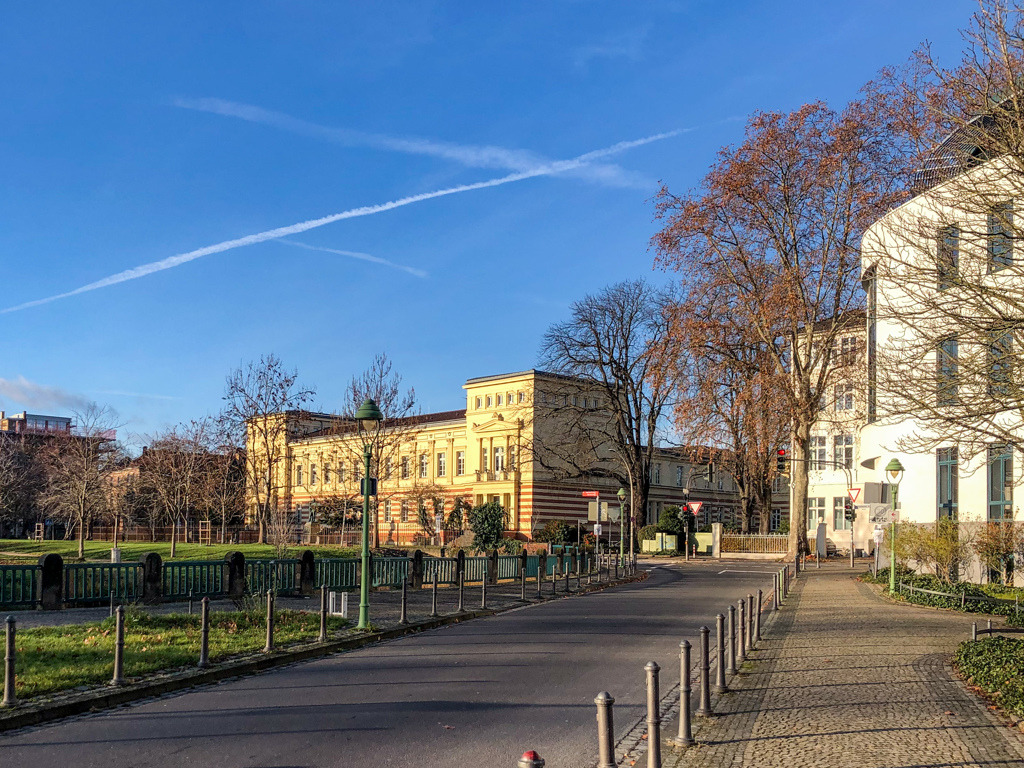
(591, 494)
(695, 506)
(854, 493)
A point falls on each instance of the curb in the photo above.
(94, 701)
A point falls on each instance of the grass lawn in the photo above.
(58, 658)
(22, 550)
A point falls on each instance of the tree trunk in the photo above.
(746, 511)
(263, 530)
(81, 537)
(798, 486)
(174, 536)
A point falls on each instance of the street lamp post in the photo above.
(895, 472)
(622, 523)
(369, 418)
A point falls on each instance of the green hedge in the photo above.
(927, 581)
(996, 665)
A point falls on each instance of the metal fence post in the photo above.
(653, 716)
(433, 596)
(684, 738)
(554, 579)
(704, 705)
(974, 629)
(775, 593)
(9, 656)
(270, 622)
(190, 602)
(741, 631)
(750, 624)
(605, 730)
(404, 616)
(462, 589)
(204, 634)
(731, 642)
(720, 686)
(757, 616)
(118, 678)
(483, 593)
(989, 629)
(522, 585)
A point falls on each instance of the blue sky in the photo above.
(133, 133)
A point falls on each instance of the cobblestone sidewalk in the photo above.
(846, 679)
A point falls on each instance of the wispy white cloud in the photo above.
(469, 155)
(357, 255)
(548, 169)
(627, 45)
(29, 394)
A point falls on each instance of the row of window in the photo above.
(842, 452)
(998, 246)
(683, 478)
(490, 460)
(999, 366)
(816, 512)
(999, 479)
(500, 399)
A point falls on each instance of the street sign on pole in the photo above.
(593, 514)
(597, 529)
(614, 513)
(591, 494)
(854, 494)
(695, 506)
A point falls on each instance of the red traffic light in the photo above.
(782, 451)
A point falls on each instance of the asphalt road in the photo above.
(471, 695)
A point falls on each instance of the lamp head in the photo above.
(894, 469)
(621, 494)
(369, 416)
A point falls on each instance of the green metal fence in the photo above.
(94, 582)
(447, 570)
(337, 573)
(476, 568)
(279, 575)
(18, 585)
(508, 566)
(532, 566)
(200, 578)
(390, 571)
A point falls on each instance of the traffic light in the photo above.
(782, 462)
(851, 513)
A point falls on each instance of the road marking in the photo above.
(729, 570)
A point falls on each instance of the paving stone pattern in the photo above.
(846, 679)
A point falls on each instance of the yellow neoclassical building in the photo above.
(485, 452)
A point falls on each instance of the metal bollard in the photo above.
(540, 579)
(522, 585)
(9, 655)
(741, 632)
(483, 592)
(462, 590)
(190, 602)
(989, 632)
(323, 614)
(730, 643)
(605, 730)
(757, 616)
(530, 759)
(204, 633)
(750, 625)
(433, 597)
(579, 571)
(704, 705)
(270, 622)
(554, 579)
(720, 686)
(567, 571)
(118, 678)
(653, 716)
(775, 593)
(684, 738)
(111, 614)
(402, 619)
(974, 629)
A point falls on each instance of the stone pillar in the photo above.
(716, 539)
(460, 566)
(234, 564)
(152, 586)
(492, 567)
(542, 564)
(50, 588)
(307, 572)
(416, 570)
(561, 561)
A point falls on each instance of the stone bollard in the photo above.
(530, 759)
(417, 569)
(653, 716)
(757, 616)
(974, 629)
(522, 585)
(270, 622)
(403, 617)
(323, 614)
(204, 633)
(731, 643)
(152, 587)
(605, 730)
(9, 656)
(234, 565)
(684, 738)
(483, 594)
(462, 590)
(433, 597)
(51, 582)
(720, 685)
(704, 705)
(307, 573)
(118, 678)
(741, 632)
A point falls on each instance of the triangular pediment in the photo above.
(497, 424)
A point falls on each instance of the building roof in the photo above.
(345, 426)
(529, 372)
(958, 152)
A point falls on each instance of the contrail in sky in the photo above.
(559, 166)
(358, 255)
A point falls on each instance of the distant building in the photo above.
(25, 423)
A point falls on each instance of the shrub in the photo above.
(553, 532)
(511, 547)
(647, 533)
(996, 665)
(487, 522)
(669, 521)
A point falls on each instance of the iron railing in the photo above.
(337, 573)
(278, 575)
(755, 544)
(390, 571)
(193, 578)
(96, 582)
(447, 570)
(18, 585)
